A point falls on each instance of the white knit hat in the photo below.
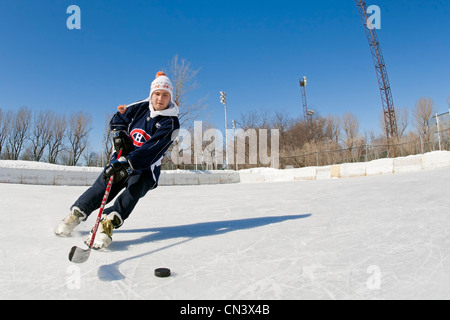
(162, 82)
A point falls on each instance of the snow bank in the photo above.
(194, 177)
(432, 160)
(26, 172)
(29, 172)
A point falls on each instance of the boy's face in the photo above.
(160, 100)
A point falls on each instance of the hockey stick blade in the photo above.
(78, 255)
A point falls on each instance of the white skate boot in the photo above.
(66, 226)
(103, 238)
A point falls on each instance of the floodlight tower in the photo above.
(307, 114)
(223, 100)
(382, 76)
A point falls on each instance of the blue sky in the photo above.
(256, 51)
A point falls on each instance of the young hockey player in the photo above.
(143, 131)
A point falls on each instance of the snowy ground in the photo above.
(384, 237)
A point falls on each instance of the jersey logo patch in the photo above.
(139, 137)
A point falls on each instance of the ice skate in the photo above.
(66, 226)
(104, 234)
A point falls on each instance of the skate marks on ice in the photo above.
(189, 232)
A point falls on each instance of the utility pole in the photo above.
(234, 145)
(223, 100)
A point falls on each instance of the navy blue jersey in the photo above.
(152, 133)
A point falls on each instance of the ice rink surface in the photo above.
(380, 237)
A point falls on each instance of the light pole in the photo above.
(234, 145)
(223, 99)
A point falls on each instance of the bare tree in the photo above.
(350, 127)
(298, 135)
(41, 134)
(58, 125)
(184, 81)
(5, 125)
(79, 127)
(318, 129)
(423, 113)
(255, 119)
(107, 148)
(334, 128)
(92, 159)
(281, 121)
(402, 115)
(20, 124)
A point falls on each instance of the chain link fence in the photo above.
(323, 155)
(366, 152)
(332, 153)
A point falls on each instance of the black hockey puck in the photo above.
(162, 272)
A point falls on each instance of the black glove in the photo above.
(122, 141)
(120, 168)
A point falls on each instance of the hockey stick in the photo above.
(78, 255)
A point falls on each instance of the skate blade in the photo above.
(78, 255)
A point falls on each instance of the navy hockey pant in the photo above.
(134, 186)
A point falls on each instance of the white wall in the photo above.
(26, 172)
(432, 160)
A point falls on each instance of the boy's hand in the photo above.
(120, 168)
(122, 141)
